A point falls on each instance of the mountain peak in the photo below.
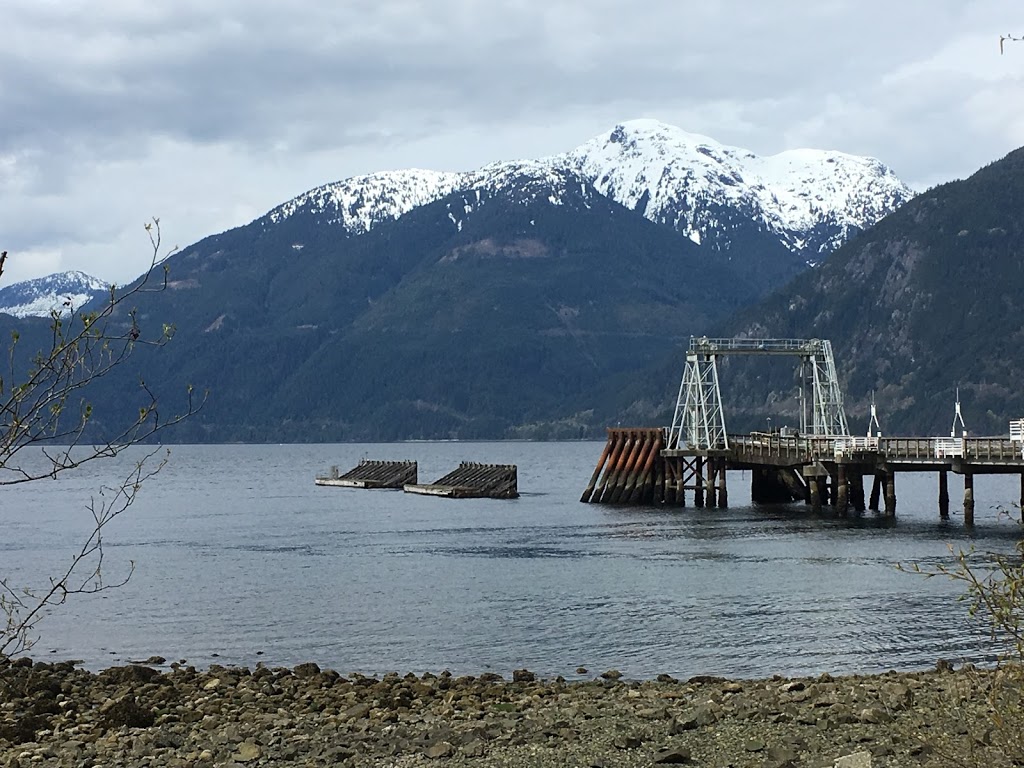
(40, 296)
(813, 200)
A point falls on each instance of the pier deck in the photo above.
(981, 455)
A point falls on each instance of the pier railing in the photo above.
(801, 449)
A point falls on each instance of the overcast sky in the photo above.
(207, 113)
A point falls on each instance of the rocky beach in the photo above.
(142, 715)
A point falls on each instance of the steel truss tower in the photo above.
(699, 420)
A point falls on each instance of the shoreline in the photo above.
(136, 715)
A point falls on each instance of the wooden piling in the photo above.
(890, 493)
(631, 469)
(618, 438)
(968, 498)
(723, 490)
(628, 469)
(657, 494)
(636, 469)
(640, 490)
(814, 485)
(856, 481)
(876, 492)
(698, 482)
(585, 498)
(681, 469)
(943, 494)
(670, 482)
(710, 500)
(842, 501)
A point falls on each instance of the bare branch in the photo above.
(43, 406)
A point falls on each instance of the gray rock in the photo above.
(126, 711)
(674, 756)
(475, 749)
(357, 712)
(247, 752)
(698, 718)
(134, 673)
(309, 669)
(875, 716)
(439, 750)
(627, 742)
(754, 745)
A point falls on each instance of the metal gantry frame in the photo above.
(699, 420)
(828, 415)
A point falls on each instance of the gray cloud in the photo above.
(209, 113)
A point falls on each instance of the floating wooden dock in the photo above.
(373, 474)
(473, 481)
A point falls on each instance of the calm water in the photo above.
(240, 558)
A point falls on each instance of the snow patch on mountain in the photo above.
(64, 291)
(361, 202)
(520, 182)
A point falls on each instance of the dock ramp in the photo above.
(372, 474)
(473, 481)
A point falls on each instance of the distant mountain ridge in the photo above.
(810, 200)
(40, 296)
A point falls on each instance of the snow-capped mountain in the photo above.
(810, 200)
(60, 291)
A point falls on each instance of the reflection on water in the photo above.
(238, 553)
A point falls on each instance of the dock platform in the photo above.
(473, 481)
(372, 474)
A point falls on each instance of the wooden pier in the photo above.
(820, 463)
(372, 474)
(634, 469)
(473, 481)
